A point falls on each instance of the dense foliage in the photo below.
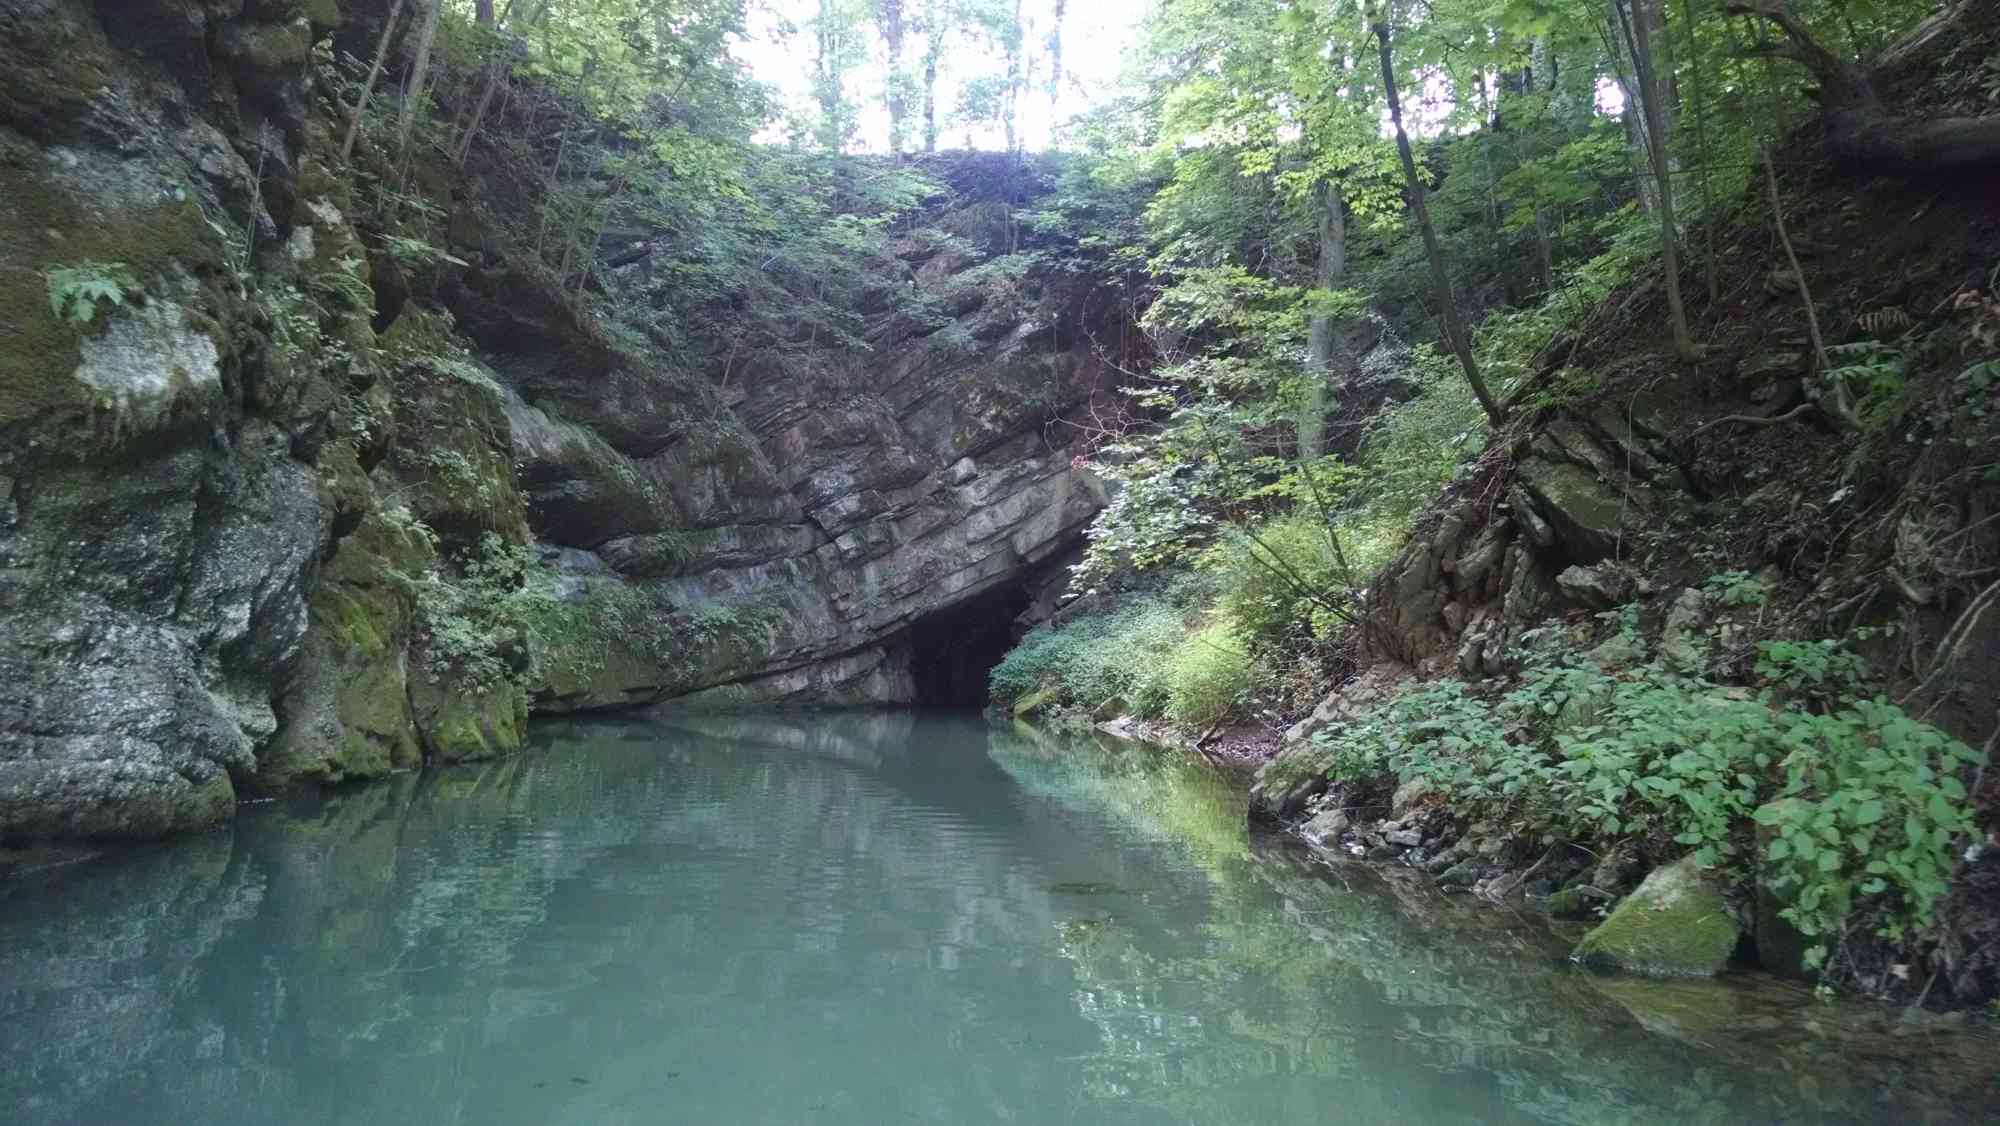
(1859, 803)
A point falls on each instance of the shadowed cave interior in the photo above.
(953, 650)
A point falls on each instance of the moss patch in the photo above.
(48, 224)
(1675, 925)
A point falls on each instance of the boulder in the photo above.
(1407, 796)
(1675, 925)
(1587, 515)
(1110, 709)
(1683, 640)
(1598, 587)
(1326, 827)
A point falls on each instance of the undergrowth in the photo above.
(1843, 804)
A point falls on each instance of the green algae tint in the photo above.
(879, 918)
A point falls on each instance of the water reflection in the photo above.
(857, 918)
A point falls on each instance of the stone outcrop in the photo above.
(1550, 531)
(158, 530)
(250, 502)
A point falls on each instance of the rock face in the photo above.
(1675, 924)
(249, 507)
(157, 531)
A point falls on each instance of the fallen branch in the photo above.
(1952, 645)
(1505, 886)
(1753, 419)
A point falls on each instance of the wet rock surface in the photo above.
(209, 579)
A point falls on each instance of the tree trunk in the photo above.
(482, 12)
(1713, 273)
(891, 15)
(933, 51)
(1859, 129)
(930, 102)
(1638, 31)
(368, 86)
(1055, 61)
(419, 73)
(1011, 107)
(1454, 323)
(1320, 332)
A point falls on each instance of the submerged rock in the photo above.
(1675, 925)
(1326, 827)
(1032, 703)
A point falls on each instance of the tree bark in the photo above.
(1652, 93)
(419, 73)
(1320, 332)
(1454, 323)
(890, 13)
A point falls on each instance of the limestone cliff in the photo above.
(279, 507)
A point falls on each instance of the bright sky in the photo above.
(1097, 35)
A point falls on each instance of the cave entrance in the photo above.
(953, 650)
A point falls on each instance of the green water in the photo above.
(860, 919)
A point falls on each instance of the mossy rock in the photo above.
(1571, 903)
(464, 726)
(1683, 1009)
(347, 716)
(50, 223)
(454, 449)
(1675, 925)
(1033, 703)
(1587, 513)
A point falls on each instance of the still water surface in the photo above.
(881, 918)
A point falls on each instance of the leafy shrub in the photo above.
(1266, 587)
(507, 616)
(1870, 807)
(1206, 677)
(1091, 658)
(1415, 447)
(478, 622)
(1863, 802)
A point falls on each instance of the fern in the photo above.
(75, 291)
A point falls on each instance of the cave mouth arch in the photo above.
(952, 651)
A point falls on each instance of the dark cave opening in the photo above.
(953, 650)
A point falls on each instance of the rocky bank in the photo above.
(257, 472)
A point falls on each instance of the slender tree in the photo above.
(1013, 38)
(413, 95)
(1635, 26)
(1055, 58)
(934, 29)
(1321, 329)
(834, 49)
(368, 85)
(889, 15)
(1454, 321)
